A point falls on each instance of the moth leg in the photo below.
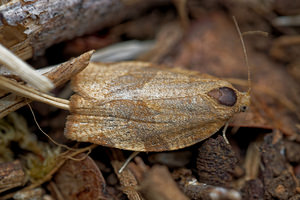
(134, 154)
(224, 132)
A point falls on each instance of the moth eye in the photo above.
(244, 108)
(224, 95)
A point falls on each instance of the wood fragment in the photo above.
(159, 185)
(11, 175)
(65, 71)
(29, 28)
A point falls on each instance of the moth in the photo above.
(139, 106)
(142, 107)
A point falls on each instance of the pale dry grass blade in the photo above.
(22, 69)
(25, 91)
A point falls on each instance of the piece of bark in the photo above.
(11, 175)
(80, 179)
(253, 189)
(59, 75)
(158, 184)
(28, 28)
(277, 178)
(216, 162)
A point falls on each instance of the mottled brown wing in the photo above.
(136, 135)
(138, 107)
(139, 80)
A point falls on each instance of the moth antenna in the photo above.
(245, 52)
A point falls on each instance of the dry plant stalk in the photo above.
(22, 90)
(22, 69)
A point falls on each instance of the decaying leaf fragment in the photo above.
(142, 107)
(80, 179)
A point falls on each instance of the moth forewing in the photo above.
(141, 107)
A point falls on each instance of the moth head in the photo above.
(244, 101)
(229, 97)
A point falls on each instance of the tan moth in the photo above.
(142, 107)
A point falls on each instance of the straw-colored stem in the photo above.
(25, 91)
(22, 69)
